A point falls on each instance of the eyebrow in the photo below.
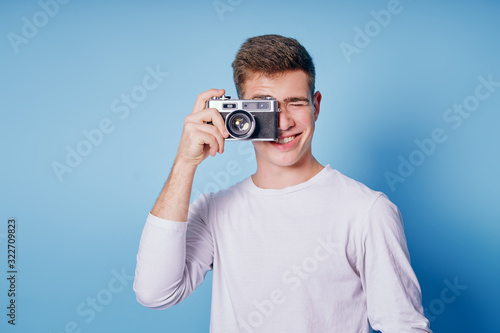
(286, 100)
(296, 99)
(261, 96)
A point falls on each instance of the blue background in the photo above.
(76, 233)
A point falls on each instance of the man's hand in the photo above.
(197, 141)
(200, 139)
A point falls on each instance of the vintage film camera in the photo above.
(248, 119)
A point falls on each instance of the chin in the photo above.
(283, 159)
(265, 151)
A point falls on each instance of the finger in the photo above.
(215, 133)
(202, 98)
(206, 132)
(218, 122)
(205, 138)
(209, 116)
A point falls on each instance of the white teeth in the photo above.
(286, 140)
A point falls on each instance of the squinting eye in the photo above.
(298, 104)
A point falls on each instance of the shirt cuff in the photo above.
(166, 224)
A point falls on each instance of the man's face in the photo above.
(299, 111)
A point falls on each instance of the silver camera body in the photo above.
(248, 119)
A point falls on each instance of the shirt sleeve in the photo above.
(394, 301)
(173, 257)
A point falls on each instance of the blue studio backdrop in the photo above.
(93, 100)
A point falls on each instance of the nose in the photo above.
(285, 121)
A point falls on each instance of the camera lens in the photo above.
(240, 124)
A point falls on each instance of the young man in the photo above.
(296, 247)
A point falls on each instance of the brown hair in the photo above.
(271, 55)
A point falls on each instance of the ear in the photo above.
(316, 103)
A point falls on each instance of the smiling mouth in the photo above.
(287, 139)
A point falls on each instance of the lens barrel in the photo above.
(240, 124)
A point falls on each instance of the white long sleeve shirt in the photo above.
(326, 255)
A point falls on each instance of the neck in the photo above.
(278, 177)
